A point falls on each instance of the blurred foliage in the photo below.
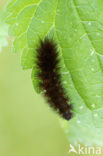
(3, 29)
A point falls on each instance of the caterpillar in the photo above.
(50, 78)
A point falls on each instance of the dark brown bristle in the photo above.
(47, 62)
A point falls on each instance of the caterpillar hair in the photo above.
(49, 74)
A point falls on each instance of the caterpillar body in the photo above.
(48, 65)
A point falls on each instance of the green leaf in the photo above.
(77, 27)
(80, 35)
(30, 20)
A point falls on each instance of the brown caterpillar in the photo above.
(48, 65)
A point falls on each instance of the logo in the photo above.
(85, 150)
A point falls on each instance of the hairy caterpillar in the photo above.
(48, 65)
